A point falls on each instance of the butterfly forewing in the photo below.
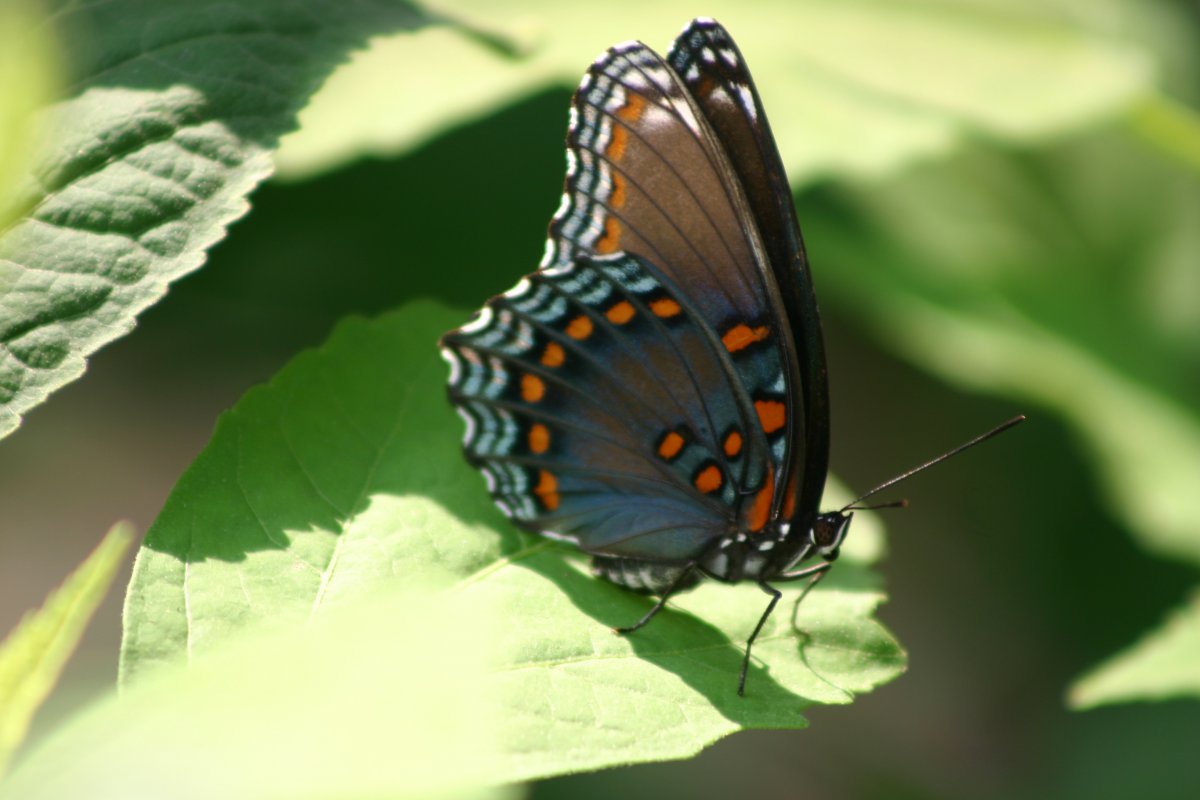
(718, 80)
(648, 176)
(640, 180)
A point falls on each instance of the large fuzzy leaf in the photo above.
(167, 123)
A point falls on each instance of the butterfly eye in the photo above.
(828, 532)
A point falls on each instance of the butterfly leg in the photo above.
(680, 582)
(816, 572)
(775, 595)
(814, 575)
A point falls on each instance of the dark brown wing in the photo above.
(716, 75)
(648, 176)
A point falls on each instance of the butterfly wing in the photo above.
(635, 394)
(712, 67)
(595, 404)
(649, 176)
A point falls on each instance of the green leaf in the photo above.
(856, 87)
(383, 697)
(33, 656)
(346, 473)
(170, 117)
(1161, 666)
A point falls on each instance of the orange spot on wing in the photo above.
(634, 106)
(742, 336)
(610, 242)
(532, 388)
(760, 509)
(617, 198)
(580, 328)
(665, 307)
(547, 489)
(539, 438)
(553, 355)
(621, 313)
(733, 444)
(772, 414)
(617, 143)
(709, 479)
(670, 445)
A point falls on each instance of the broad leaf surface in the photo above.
(32, 657)
(169, 117)
(857, 86)
(345, 473)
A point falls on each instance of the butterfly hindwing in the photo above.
(601, 410)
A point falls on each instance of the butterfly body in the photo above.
(656, 391)
(733, 558)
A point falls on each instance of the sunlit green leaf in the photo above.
(384, 697)
(33, 656)
(1161, 666)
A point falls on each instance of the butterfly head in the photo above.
(796, 544)
(828, 532)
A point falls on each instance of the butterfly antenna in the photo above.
(877, 506)
(1001, 428)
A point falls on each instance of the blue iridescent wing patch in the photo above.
(595, 406)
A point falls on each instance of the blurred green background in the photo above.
(985, 270)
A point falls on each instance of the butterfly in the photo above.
(656, 392)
